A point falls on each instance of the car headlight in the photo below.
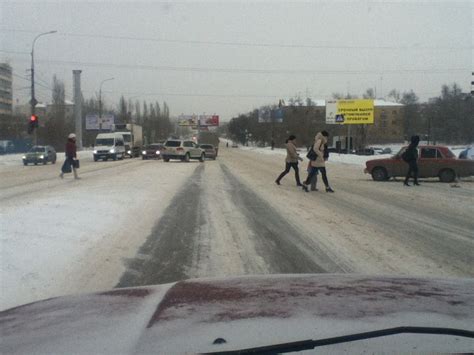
(95, 151)
(112, 150)
(157, 152)
(24, 156)
(41, 156)
(129, 152)
(144, 152)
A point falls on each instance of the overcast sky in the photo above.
(231, 57)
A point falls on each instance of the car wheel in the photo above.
(53, 162)
(36, 163)
(187, 158)
(379, 174)
(447, 175)
(203, 156)
(166, 160)
(143, 158)
(25, 163)
(114, 157)
(45, 162)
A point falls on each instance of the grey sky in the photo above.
(231, 57)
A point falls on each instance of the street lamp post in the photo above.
(100, 102)
(33, 100)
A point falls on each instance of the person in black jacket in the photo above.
(411, 157)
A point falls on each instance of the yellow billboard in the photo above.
(350, 112)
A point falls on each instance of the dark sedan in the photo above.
(153, 151)
(434, 161)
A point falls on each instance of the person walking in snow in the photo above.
(71, 157)
(314, 179)
(318, 165)
(410, 156)
(291, 161)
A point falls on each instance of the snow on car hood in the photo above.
(250, 311)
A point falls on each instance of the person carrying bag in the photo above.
(71, 163)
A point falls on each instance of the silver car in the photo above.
(183, 150)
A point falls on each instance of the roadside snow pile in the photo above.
(351, 159)
(68, 236)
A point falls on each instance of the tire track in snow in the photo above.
(220, 230)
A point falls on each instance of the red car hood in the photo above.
(246, 312)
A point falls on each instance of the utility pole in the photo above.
(33, 100)
(78, 107)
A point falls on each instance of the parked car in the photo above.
(467, 154)
(434, 161)
(152, 151)
(182, 150)
(40, 154)
(366, 151)
(210, 151)
(380, 150)
(7, 147)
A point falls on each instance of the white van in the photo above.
(109, 145)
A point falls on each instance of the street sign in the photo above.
(350, 112)
(94, 122)
(33, 102)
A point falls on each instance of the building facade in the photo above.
(304, 120)
(6, 90)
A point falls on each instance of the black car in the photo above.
(152, 151)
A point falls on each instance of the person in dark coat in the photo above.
(292, 158)
(411, 157)
(71, 156)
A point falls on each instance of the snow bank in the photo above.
(68, 236)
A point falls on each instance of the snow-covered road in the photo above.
(137, 222)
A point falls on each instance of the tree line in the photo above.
(448, 119)
(58, 123)
(153, 117)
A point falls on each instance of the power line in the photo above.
(247, 44)
(253, 71)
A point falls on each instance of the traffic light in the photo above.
(32, 124)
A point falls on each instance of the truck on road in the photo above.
(209, 138)
(132, 136)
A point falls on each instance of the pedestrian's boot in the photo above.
(61, 175)
(405, 183)
(328, 189)
(304, 187)
(416, 183)
(75, 175)
(277, 182)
